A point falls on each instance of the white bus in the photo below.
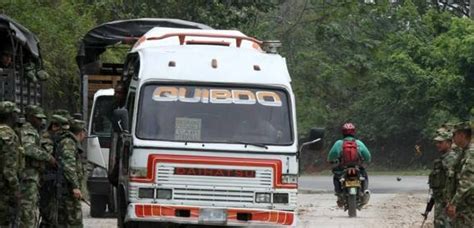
(208, 132)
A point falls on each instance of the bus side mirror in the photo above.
(120, 120)
(315, 139)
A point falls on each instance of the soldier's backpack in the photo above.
(350, 153)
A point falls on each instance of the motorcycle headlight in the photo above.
(289, 179)
(99, 172)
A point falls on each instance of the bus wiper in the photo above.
(249, 143)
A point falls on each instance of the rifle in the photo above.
(85, 201)
(429, 207)
(58, 178)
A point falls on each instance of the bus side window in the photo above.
(130, 107)
(132, 67)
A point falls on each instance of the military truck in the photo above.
(21, 65)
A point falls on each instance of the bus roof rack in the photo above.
(182, 37)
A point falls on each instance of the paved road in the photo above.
(377, 184)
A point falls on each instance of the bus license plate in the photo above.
(352, 183)
(212, 216)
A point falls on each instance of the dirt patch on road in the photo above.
(383, 210)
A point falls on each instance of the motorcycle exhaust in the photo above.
(366, 197)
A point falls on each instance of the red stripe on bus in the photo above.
(274, 217)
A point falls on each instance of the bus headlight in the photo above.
(289, 179)
(146, 193)
(138, 172)
(164, 193)
(261, 197)
(280, 198)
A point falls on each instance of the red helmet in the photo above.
(348, 129)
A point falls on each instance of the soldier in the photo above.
(6, 57)
(71, 167)
(441, 177)
(10, 152)
(50, 139)
(35, 159)
(461, 206)
(59, 122)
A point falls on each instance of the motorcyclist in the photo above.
(336, 157)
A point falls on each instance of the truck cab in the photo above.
(208, 132)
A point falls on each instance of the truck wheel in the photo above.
(121, 212)
(352, 205)
(98, 206)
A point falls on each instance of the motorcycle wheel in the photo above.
(352, 205)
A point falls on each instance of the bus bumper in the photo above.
(199, 215)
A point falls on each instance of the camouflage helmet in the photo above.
(35, 111)
(61, 120)
(77, 116)
(462, 126)
(443, 135)
(7, 107)
(62, 112)
(77, 125)
(42, 75)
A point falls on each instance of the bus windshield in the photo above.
(214, 115)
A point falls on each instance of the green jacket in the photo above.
(464, 179)
(35, 156)
(10, 152)
(336, 150)
(70, 160)
(47, 142)
(441, 178)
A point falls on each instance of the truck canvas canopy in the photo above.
(21, 68)
(99, 38)
(20, 34)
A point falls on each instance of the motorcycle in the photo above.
(354, 195)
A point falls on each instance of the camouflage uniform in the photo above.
(9, 160)
(440, 178)
(48, 199)
(463, 198)
(35, 160)
(71, 164)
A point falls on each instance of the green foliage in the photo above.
(59, 25)
(396, 71)
(225, 14)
